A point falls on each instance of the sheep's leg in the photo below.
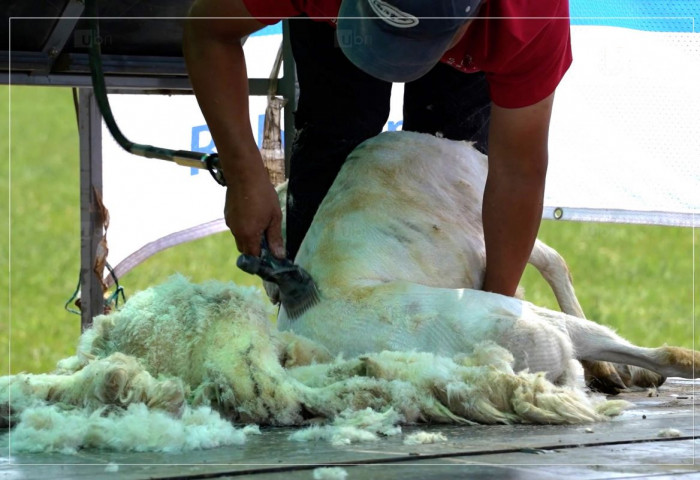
(605, 377)
(599, 376)
(632, 376)
(595, 342)
(555, 271)
(602, 377)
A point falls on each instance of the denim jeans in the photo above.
(340, 106)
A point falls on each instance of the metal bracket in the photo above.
(61, 32)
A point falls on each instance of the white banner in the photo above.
(625, 132)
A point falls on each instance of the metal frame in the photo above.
(90, 132)
(62, 31)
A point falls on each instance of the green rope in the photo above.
(111, 302)
(73, 297)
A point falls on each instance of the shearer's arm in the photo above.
(217, 70)
(514, 192)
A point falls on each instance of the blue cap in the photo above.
(400, 40)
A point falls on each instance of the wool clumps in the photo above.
(353, 427)
(330, 473)
(137, 429)
(419, 438)
(180, 363)
(669, 433)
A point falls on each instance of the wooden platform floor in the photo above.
(627, 447)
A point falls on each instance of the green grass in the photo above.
(637, 279)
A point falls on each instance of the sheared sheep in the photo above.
(397, 248)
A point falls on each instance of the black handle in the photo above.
(266, 266)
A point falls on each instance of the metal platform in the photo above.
(629, 446)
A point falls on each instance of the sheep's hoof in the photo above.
(613, 378)
(602, 377)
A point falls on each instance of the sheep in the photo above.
(397, 249)
(401, 332)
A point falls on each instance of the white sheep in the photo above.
(397, 249)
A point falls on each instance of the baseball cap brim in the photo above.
(387, 54)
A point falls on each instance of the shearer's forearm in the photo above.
(217, 70)
(512, 207)
(511, 216)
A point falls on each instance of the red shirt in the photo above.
(523, 46)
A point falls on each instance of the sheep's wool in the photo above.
(159, 375)
(52, 429)
(669, 433)
(352, 427)
(424, 437)
(330, 473)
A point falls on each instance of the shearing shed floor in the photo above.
(656, 438)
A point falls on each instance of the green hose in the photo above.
(181, 157)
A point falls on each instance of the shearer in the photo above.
(477, 70)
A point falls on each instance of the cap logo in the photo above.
(392, 15)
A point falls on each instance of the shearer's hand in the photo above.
(252, 210)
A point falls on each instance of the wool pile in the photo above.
(181, 365)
